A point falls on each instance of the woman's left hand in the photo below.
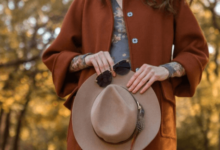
(146, 74)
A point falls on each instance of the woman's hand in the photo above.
(146, 74)
(101, 61)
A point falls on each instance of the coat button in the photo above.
(134, 40)
(129, 14)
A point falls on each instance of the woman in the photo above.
(98, 33)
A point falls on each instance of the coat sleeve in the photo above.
(191, 50)
(68, 44)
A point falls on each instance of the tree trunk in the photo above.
(19, 124)
(219, 132)
(6, 130)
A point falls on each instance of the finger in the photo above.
(149, 83)
(95, 64)
(137, 80)
(135, 75)
(143, 81)
(104, 61)
(100, 64)
(110, 61)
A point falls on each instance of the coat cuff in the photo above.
(65, 81)
(185, 86)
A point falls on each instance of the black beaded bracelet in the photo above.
(169, 68)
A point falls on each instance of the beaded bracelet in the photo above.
(169, 68)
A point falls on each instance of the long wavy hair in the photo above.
(166, 4)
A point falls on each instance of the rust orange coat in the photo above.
(88, 27)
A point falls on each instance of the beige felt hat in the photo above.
(108, 118)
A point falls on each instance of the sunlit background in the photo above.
(32, 117)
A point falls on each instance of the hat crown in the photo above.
(114, 114)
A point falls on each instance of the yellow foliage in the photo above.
(213, 137)
(203, 77)
(7, 11)
(49, 82)
(4, 77)
(28, 34)
(16, 107)
(51, 146)
(207, 14)
(24, 80)
(212, 77)
(55, 138)
(64, 112)
(214, 118)
(12, 133)
(50, 97)
(7, 104)
(45, 124)
(4, 31)
(216, 32)
(26, 86)
(212, 66)
(41, 66)
(38, 109)
(17, 97)
(38, 76)
(14, 43)
(24, 134)
(52, 124)
(211, 30)
(45, 74)
(20, 54)
(1, 86)
(196, 108)
(215, 92)
(183, 105)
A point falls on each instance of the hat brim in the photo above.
(81, 121)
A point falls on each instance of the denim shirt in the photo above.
(119, 47)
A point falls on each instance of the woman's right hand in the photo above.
(101, 61)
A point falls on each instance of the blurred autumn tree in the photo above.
(33, 117)
(198, 118)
